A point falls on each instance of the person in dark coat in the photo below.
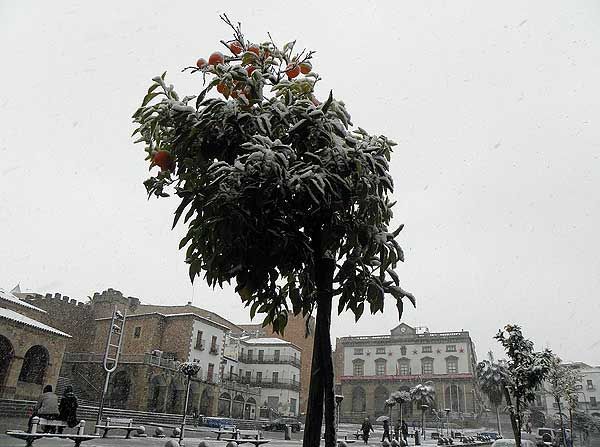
(397, 430)
(386, 430)
(404, 429)
(47, 408)
(366, 429)
(68, 408)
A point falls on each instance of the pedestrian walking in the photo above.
(67, 408)
(366, 429)
(47, 408)
(404, 429)
(397, 430)
(386, 430)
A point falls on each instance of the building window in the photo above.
(593, 402)
(427, 366)
(380, 367)
(590, 385)
(276, 355)
(250, 352)
(275, 377)
(231, 374)
(358, 351)
(451, 365)
(293, 406)
(403, 367)
(426, 349)
(450, 348)
(199, 343)
(137, 332)
(358, 368)
(380, 351)
(259, 376)
(402, 350)
(213, 345)
(261, 355)
(210, 372)
(248, 376)
(294, 378)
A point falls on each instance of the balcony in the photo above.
(287, 384)
(273, 359)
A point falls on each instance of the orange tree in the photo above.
(279, 193)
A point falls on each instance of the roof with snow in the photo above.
(183, 314)
(8, 296)
(265, 341)
(22, 319)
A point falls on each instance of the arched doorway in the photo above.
(206, 402)
(6, 355)
(358, 399)
(224, 405)
(250, 409)
(237, 407)
(35, 364)
(380, 395)
(120, 389)
(175, 397)
(156, 394)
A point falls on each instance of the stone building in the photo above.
(31, 352)
(369, 368)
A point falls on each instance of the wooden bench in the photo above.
(117, 424)
(225, 430)
(33, 434)
(247, 437)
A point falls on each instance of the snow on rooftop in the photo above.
(7, 296)
(17, 317)
(266, 341)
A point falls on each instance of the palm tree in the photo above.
(490, 377)
(424, 394)
(398, 397)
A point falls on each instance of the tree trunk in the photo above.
(513, 418)
(498, 420)
(562, 425)
(321, 380)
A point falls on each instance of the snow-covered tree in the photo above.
(525, 372)
(280, 194)
(562, 383)
(490, 378)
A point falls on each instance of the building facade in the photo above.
(31, 352)
(271, 367)
(369, 368)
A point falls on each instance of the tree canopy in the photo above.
(269, 178)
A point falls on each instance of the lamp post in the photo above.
(448, 410)
(338, 403)
(189, 369)
(423, 410)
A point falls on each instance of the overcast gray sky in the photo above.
(495, 107)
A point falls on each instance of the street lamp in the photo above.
(447, 410)
(423, 409)
(338, 402)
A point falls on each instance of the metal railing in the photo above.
(277, 359)
(265, 382)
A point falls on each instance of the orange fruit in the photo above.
(292, 70)
(201, 63)
(216, 58)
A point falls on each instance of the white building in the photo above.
(269, 365)
(369, 368)
(588, 392)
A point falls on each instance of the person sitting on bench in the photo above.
(68, 409)
(47, 408)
